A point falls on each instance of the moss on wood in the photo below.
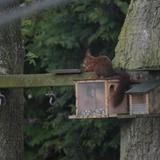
(139, 40)
(40, 80)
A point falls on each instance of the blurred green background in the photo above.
(57, 39)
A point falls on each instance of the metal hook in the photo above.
(2, 99)
(52, 98)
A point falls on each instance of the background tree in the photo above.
(138, 46)
(11, 115)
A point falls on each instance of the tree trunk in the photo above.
(139, 46)
(139, 40)
(11, 115)
(140, 139)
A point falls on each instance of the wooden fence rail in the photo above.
(40, 80)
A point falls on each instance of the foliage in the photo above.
(57, 38)
(52, 131)
(64, 33)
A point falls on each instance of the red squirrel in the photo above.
(102, 66)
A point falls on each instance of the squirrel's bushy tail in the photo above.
(123, 86)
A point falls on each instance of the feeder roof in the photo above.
(144, 87)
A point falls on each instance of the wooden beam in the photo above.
(40, 80)
(61, 77)
(150, 115)
(120, 116)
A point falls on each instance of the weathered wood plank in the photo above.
(40, 80)
(120, 116)
(150, 115)
(89, 117)
(67, 71)
(55, 78)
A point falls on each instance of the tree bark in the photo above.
(139, 40)
(11, 115)
(140, 139)
(139, 46)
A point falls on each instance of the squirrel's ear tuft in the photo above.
(88, 52)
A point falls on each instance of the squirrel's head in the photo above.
(88, 62)
(88, 52)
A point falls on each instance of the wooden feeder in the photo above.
(144, 98)
(93, 99)
(112, 85)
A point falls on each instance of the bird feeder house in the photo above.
(144, 98)
(93, 99)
